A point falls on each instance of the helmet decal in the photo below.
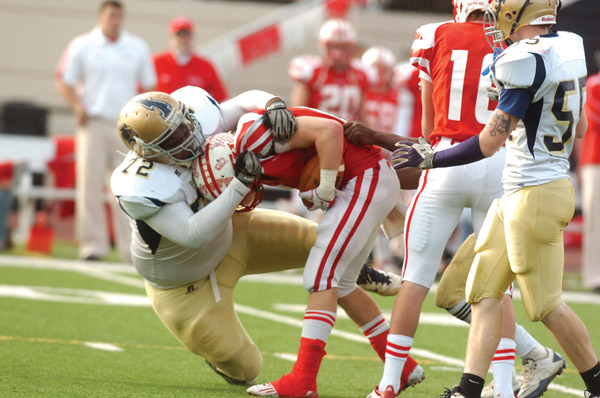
(164, 108)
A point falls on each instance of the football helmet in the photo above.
(213, 171)
(158, 127)
(337, 40)
(463, 8)
(504, 17)
(380, 63)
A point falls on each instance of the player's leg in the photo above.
(432, 217)
(202, 316)
(91, 165)
(537, 257)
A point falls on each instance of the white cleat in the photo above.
(381, 282)
(267, 390)
(538, 375)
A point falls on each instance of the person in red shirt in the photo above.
(334, 81)
(345, 235)
(590, 184)
(180, 66)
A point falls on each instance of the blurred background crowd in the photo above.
(69, 66)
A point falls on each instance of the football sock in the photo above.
(525, 342)
(503, 365)
(318, 324)
(396, 353)
(377, 331)
(462, 311)
(303, 377)
(591, 378)
(471, 385)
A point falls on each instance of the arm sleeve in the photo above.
(246, 102)
(178, 223)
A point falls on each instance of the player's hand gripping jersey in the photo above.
(453, 55)
(282, 165)
(542, 82)
(337, 92)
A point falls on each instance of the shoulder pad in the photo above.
(205, 108)
(515, 69)
(303, 68)
(138, 207)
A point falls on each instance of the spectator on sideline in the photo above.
(590, 185)
(98, 73)
(180, 66)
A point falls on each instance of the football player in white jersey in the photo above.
(541, 79)
(190, 253)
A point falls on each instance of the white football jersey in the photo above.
(552, 68)
(142, 188)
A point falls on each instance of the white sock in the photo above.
(375, 327)
(525, 341)
(461, 311)
(396, 353)
(318, 324)
(503, 365)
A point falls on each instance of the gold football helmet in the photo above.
(504, 17)
(158, 127)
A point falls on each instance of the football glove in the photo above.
(410, 154)
(492, 93)
(247, 167)
(318, 200)
(281, 121)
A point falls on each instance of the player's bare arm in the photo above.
(358, 133)
(582, 126)
(327, 137)
(496, 132)
(428, 112)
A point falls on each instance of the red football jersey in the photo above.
(331, 91)
(285, 168)
(408, 120)
(590, 151)
(381, 109)
(197, 72)
(452, 56)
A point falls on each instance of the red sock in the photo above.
(378, 343)
(409, 366)
(303, 377)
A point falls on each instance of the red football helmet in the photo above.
(380, 62)
(214, 171)
(462, 8)
(337, 41)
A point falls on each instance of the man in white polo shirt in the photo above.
(98, 73)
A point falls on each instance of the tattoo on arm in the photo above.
(500, 124)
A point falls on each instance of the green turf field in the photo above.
(68, 329)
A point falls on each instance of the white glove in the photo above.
(492, 93)
(318, 200)
(410, 154)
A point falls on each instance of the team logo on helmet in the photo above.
(163, 107)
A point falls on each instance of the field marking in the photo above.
(105, 273)
(103, 346)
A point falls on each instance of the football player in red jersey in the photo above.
(381, 97)
(451, 57)
(333, 82)
(345, 235)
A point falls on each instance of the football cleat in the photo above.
(230, 379)
(415, 373)
(539, 374)
(454, 393)
(587, 394)
(388, 392)
(381, 282)
(267, 390)
(488, 391)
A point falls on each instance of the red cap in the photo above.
(181, 23)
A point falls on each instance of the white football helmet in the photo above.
(504, 17)
(463, 8)
(380, 64)
(337, 40)
(158, 127)
(215, 170)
